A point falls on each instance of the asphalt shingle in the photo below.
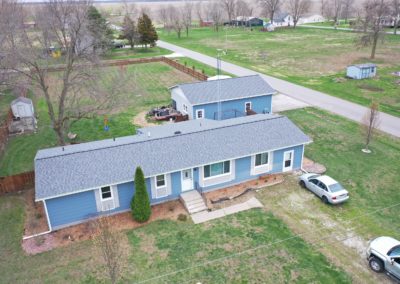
(69, 169)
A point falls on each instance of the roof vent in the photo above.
(177, 132)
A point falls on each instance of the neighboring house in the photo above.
(311, 19)
(282, 19)
(79, 182)
(233, 97)
(244, 21)
(389, 21)
(361, 71)
(206, 23)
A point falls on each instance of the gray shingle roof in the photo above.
(21, 99)
(230, 89)
(94, 164)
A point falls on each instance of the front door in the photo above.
(187, 180)
(288, 161)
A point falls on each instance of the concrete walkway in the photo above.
(205, 216)
(388, 123)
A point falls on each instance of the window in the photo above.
(261, 159)
(217, 169)
(106, 192)
(200, 113)
(160, 181)
(247, 106)
(185, 108)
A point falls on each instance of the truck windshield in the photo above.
(395, 252)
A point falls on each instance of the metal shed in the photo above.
(22, 107)
(361, 71)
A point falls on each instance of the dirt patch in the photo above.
(370, 88)
(35, 216)
(141, 120)
(122, 221)
(313, 167)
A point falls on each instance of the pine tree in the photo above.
(99, 29)
(140, 204)
(146, 30)
(129, 31)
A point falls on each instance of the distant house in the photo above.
(223, 99)
(206, 23)
(389, 22)
(282, 19)
(361, 71)
(311, 19)
(80, 182)
(243, 21)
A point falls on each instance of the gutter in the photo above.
(35, 235)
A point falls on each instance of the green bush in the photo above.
(140, 204)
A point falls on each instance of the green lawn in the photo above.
(147, 86)
(124, 53)
(167, 246)
(5, 101)
(371, 179)
(314, 58)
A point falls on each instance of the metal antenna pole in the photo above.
(219, 83)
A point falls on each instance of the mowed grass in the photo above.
(372, 179)
(313, 58)
(5, 103)
(144, 86)
(168, 246)
(127, 53)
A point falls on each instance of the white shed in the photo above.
(22, 107)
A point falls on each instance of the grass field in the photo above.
(5, 101)
(147, 87)
(334, 231)
(313, 58)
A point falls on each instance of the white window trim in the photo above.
(108, 198)
(245, 109)
(221, 175)
(184, 107)
(285, 169)
(165, 182)
(262, 165)
(197, 113)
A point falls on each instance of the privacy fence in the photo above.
(17, 182)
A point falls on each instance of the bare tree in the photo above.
(374, 11)
(230, 7)
(63, 25)
(186, 14)
(336, 10)
(163, 15)
(215, 13)
(108, 242)
(298, 8)
(347, 9)
(243, 8)
(396, 14)
(129, 31)
(175, 20)
(323, 8)
(371, 122)
(199, 10)
(270, 7)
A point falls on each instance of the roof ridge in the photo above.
(155, 139)
(211, 81)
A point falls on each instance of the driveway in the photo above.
(388, 123)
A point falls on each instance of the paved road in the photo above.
(388, 123)
(339, 29)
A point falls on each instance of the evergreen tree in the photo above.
(140, 204)
(146, 30)
(129, 31)
(99, 29)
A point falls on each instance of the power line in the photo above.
(208, 262)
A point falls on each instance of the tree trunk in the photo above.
(374, 43)
(179, 34)
(272, 17)
(187, 31)
(294, 23)
(396, 23)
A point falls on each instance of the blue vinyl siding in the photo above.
(71, 208)
(261, 104)
(79, 207)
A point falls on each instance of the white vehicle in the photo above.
(325, 187)
(383, 254)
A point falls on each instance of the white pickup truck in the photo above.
(383, 254)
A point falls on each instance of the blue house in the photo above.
(79, 182)
(223, 99)
(361, 71)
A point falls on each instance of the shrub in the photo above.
(140, 204)
(182, 217)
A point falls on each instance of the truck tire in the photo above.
(376, 264)
(325, 199)
(302, 184)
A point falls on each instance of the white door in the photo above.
(187, 180)
(288, 161)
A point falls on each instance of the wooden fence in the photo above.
(106, 63)
(17, 182)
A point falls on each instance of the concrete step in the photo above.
(198, 209)
(193, 201)
(190, 195)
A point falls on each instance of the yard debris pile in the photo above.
(165, 113)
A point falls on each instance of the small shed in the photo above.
(22, 107)
(361, 71)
